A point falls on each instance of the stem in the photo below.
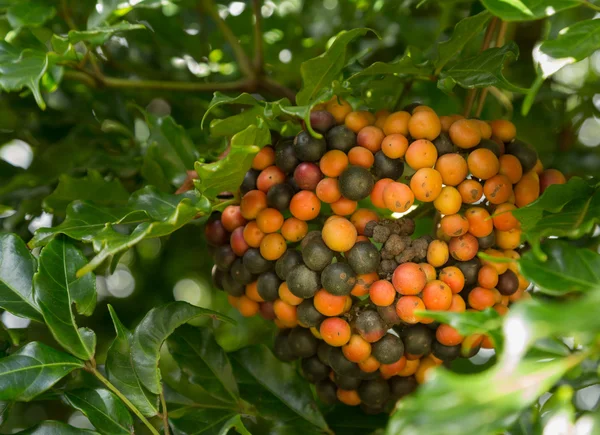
(258, 39)
(499, 43)
(125, 400)
(481, 102)
(238, 51)
(66, 15)
(405, 90)
(165, 415)
(470, 99)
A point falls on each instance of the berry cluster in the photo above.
(313, 245)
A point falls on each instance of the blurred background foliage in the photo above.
(97, 128)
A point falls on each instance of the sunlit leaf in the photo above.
(22, 69)
(104, 410)
(29, 13)
(522, 10)
(99, 35)
(51, 427)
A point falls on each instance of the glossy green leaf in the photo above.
(5, 408)
(321, 71)
(91, 188)
(567, 268)
(57, 288)
(220, 99)
(465, 30)
(262, 365)
(106, 9)
(558, 409)
(17, 267)
(29, 13)
(99, 35)
(236, 423)
(572, 44)
(51, 427)
(198, 350)
(170, 147)
(32, 370)
(104, 410)
(226, 175)
(153, 330)
(121, 373)
(524, 10)
(22, 69)
(303, 112)
(486, 402)
(201, 421)
(482, 70)
(405, 66)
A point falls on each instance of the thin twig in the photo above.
(487, 39)
(67, 15)
(242, 58)
(258, 38)
(405, 90)
(165, 415)
(499, 43)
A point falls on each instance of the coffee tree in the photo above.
(299, 217)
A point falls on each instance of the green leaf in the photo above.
(403, 67)
(234, 423)
(198, 351)
(5, 408)
(121, 373)
(51, 427)
(57, 287)
(486, 402)
(564, 210)
(202, 421)
(574, 43)
(567, 268)
(91, 188)
(170, 147)
(29, 13)
(104, 410)
(17, 267)
(465, 30)
(527, 10)
(106, 9)
(319, 72)
(482, 70)
(226, 175)
(153, 330)
(32, 370)
(22, 69)
(265, 369)
(559, 407)
(100, 35)
(220, 99)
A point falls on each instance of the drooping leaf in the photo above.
(170, 148)
(121, 373)
(153, 330)
(91, 188)
(104, 410)
(22, 69)
(198, 351)
(464, 31)
(303, 112)
(99, 35)
(265, 369)
(51, 427)
(32, 370)
(57, 288)
(319, 72)
(482, 70)
(17, 267)
(220, 99)
(226, 175)
(573, 43)
(567, 268)
(29, 13)
(525, 10)
(485, 402)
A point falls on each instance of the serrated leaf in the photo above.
(22, 69)
(29, 13)
(51, 427)
(527, 10)
(198, 352)
(226, 175)
(57, 288)
(265, 369)
(319, 72)
(91, 188)
(99, 35)
(17, 267)
(464, 31)
(573, 43)
(567, 269)
(170, 148)
(104, 410)
(485, 402)
(120, 370)
(32, 370)
(153, 330)
(482, 70)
